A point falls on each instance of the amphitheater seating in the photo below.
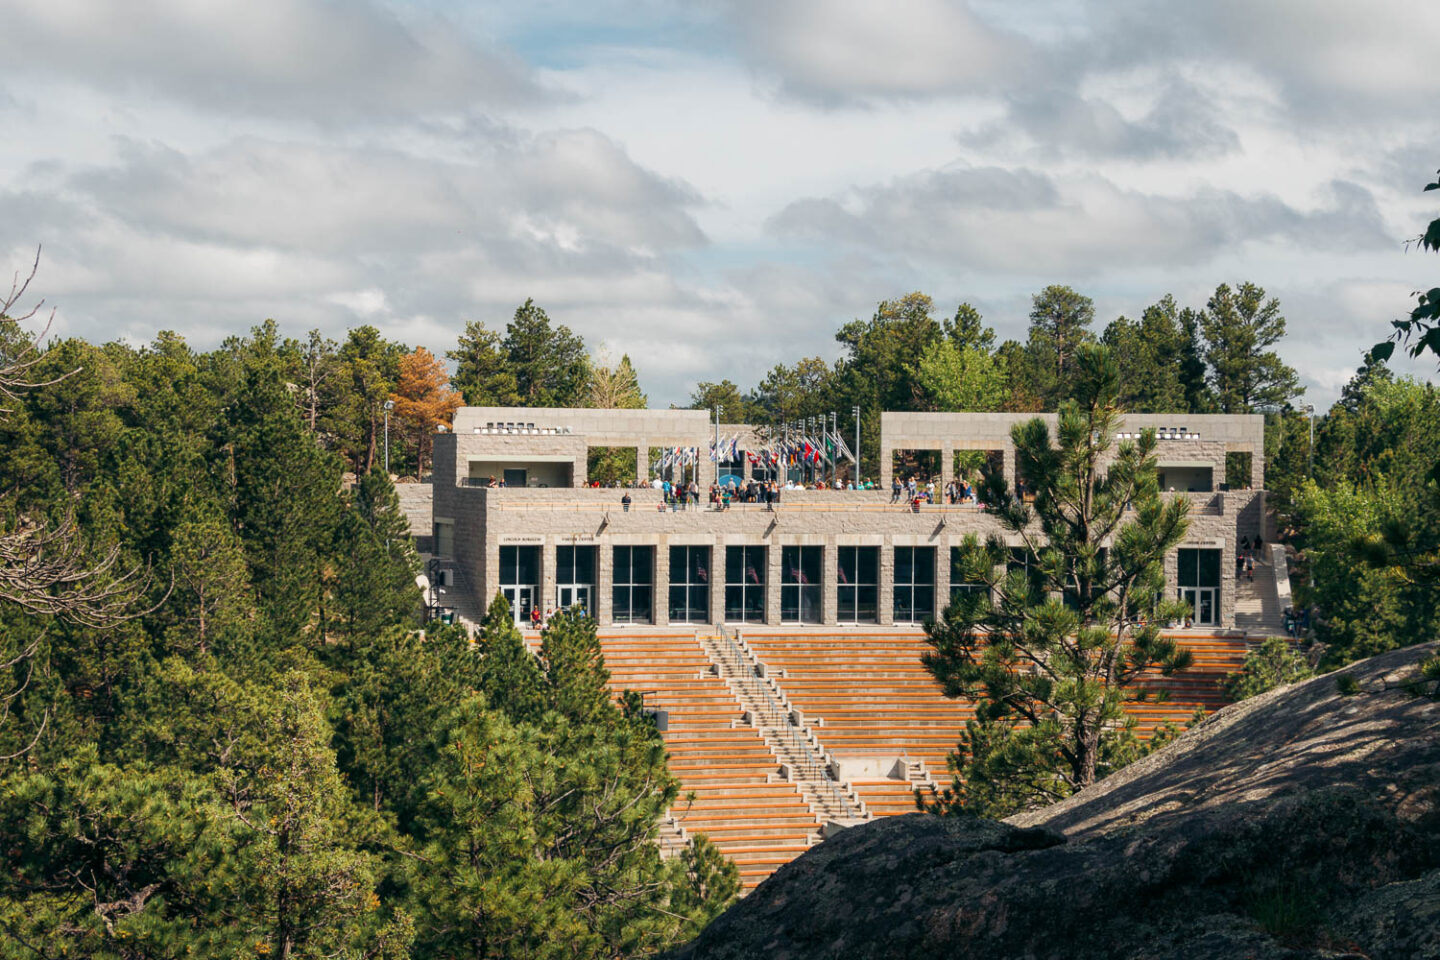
(871, 697)
(875, 699)
(758, 821)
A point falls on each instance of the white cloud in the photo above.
(324, 60)
(831, 50)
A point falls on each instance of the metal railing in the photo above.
(816, 771)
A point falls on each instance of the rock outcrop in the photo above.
(1299, 824)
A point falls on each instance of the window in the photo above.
(960, 585)
(520, 580)
(857, 575)
(1071, 596)
(800, 584)
(575, 578)
(689, 584)
(745, 584)
(444, 538)
(1199, 586)
(1024, 561)
(914, 584)
(632, 584)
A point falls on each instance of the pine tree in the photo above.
(210, 602)
(482, 370)
(283, 496)
(1151, 354)
(397, 694)
(1060, 319)
(374, 582)
(549, 364)
(1240, 326)
(575, 675)
(1049, 675)
(510, 676)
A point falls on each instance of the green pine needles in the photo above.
(1050, 651)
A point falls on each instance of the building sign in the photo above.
(522, 539)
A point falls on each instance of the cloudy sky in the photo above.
(714, 188)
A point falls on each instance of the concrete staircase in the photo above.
(797, 751)
(731, 787)
(1259, 610)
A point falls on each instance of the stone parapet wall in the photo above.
(487, 519)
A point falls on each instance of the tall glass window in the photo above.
(520, 579)
(575, 578)
(1023, 561)
(960, 585)
(1199, 586)
(689, 584)
(857, 576)
(745, 584)
(800, 584)
(914, 584)
(632, 584)
(1071, 595)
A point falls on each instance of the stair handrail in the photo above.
(816, 767)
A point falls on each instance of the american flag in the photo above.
(843, 579)
(702, 573)
(754, 577)
(798, 575)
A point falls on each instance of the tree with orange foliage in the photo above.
(424, 400)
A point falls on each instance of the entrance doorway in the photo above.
(1199, 586)
(1204, 604)
(575, 578)
(522, 601)
(573, 595)
(520, 580)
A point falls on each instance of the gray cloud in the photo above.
(1059, 123)
(329, 61)
(987, 218)
(837, 50)
(1335, 60)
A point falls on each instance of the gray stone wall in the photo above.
(486, 519)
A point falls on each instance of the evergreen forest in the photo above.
(224, 731)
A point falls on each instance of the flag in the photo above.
(702, 573)
(841, 570)
(754, 577)
(735, 448)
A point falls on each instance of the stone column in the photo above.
(772, 582)
(660, 576)
(830, 584)
(717, 582)
(547, 575)
(942, 574)
(580, 470)
(947, 465)
(886, 567)
(605, 575)
(642, 462)
(887, 465)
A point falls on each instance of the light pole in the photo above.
(719, 411)
(1310, 409)
(856, 451)
(389, 405)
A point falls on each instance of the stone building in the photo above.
(546, 539)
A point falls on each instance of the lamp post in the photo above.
(719, 411)
(856, 451)
(1310, 409)
(389, 405)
